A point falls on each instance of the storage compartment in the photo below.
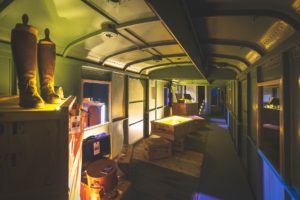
(95, 147)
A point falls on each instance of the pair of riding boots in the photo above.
(27, 54)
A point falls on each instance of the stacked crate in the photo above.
(175, 133)
(157, 148)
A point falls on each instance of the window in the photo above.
(96, 101)
(270, 133)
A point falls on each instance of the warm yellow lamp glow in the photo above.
(275, 32)
(252, 56)
(173, 120)
(296, 5)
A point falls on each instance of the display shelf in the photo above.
(35, 145)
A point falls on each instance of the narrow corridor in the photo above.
(222, 175)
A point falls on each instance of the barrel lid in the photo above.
(101, 168)
(25, 27)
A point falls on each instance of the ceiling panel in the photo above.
(67, 20)
(115, 64)
(242, 52)
(130, 37)
(152, 32)
(170, 49)
(286, 7)
(265, 31)
(127, 10)
(248, 28)
(131, 56)
(238, 64)
(163, 67)
(180, 59)
(140, 66)
(101, 46)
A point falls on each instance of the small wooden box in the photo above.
(157, 148)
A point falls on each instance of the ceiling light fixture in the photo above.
(109, 30)
(157, 58)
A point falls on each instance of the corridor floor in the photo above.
(222, 176)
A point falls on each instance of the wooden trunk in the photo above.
(185, 109)
(34, 149)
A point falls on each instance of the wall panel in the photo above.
(136, 106)
(136, 132)
(135, 112)
(152, 94)
(160, 93)
(136, 90)
(293, 72)
(6, 76)
(118, 96)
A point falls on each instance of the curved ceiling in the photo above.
(234, 34)
(147, 36)
(126, 35)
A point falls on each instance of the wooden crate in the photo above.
(185, 109)
(198, 122)
(157, 148)
(171, 131)
(34, 150)
(178, 145)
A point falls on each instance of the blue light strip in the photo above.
(290, 191)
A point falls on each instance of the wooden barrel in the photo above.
(104, 173)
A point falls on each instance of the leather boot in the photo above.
(24, 52)
(46, 64)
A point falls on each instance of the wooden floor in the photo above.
(221, 174)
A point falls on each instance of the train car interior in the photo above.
(149, 99)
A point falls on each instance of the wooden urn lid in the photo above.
(104, 173)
